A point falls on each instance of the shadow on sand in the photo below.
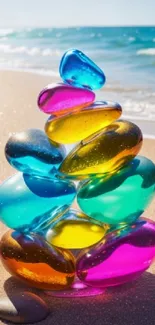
(130, 304)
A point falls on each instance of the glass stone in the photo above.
(121, 198)
(31, 259)
(79, 70)
(28, 202)
(123, 256)
(60, 98)
(31, 152)
(76, 126)
(75, 230)
(104, 152)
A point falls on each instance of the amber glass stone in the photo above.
(33, 260)
(105, 152)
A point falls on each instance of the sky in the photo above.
(59, 13)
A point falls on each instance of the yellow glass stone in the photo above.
(75, 230)
(76, 126)
(104, 152)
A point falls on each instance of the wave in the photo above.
(126, 34)
(5, 48)
(6, 31)
(150, 51)
(17, 68)
(35, 33)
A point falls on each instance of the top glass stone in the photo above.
(78, 70)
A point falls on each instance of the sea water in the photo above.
(126, 54)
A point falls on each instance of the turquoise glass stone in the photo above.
(121, 197)
(28, 202)
(78, 70)
(31, 152)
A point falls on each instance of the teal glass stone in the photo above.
(78, 70)
(32, 152)
(28, 202)
(121, 197)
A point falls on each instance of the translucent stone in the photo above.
(76, 126)
(33, 260)
(78, 70)
(22, 307)
(60, 98)
(109, 199)
(31, 152)
(74, 230)
(105, 152)
(121, 257)
(27, 202)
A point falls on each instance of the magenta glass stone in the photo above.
(61, 98)
(121, 257)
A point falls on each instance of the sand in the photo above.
(132, 304)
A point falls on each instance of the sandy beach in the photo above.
(132, 304)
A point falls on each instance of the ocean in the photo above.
(126, 55)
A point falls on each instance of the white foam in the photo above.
(150, 51)
(16, 66)
(47, 52)
(33, 51)
(131, 39)
(146, 125)
(139, 107)
(6, 31)
(6, 48)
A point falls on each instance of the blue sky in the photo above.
(76, 12)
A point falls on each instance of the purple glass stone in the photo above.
(121, 257)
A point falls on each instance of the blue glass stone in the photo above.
(28, 202)
(32, 152)
(78, 70)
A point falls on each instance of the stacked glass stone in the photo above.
(114, 188)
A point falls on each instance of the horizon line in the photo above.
(76, 26)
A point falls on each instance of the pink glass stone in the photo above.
(122, 257)
(60, 98)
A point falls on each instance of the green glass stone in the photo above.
(122, 197)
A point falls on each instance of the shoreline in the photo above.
(142, 122)
(147, 126)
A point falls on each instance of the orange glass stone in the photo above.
(33, 260)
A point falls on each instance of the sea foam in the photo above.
(6, 48)
(150, 51)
